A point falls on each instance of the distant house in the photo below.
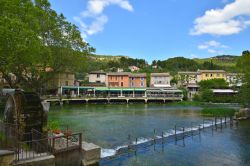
(97, 77)
(120, 70)
(234, 79)
(160, 80)
(138, 80)
(61, 79)
(211, 74)
(134, 68)
(118, 79)
(187, 78)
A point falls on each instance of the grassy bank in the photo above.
(186, 103)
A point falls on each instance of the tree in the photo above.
(243, 65)
(213, 84)
(36, 43)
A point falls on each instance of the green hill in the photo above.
(221, 60)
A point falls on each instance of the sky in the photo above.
(161, 29)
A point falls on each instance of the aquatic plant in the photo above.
(218, 112)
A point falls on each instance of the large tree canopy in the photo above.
(33, 39)
(244, 67)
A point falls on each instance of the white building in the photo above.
(134, 68)
(160, 80)
(234, 79)
(97, 77)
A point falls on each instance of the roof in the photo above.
(97, 72)
(193, 86)
(138, 75)
(119, 74)
(162, 86)
(188, 72)
(224, 91)
(160, 74)
(211, 71)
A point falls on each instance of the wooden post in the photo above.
(192, 129)
(221, 122)
(183, 133)
(162, 136)
(216, 123)
(154, 135)
(175, 133)
(203, 124)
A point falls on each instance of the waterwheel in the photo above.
(25, 111)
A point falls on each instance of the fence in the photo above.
(8, 136)
(66, 142)
(134, 144)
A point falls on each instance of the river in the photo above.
(109, 126)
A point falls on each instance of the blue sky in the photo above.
(161, 29)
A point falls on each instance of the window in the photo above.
(206, 75)
(132, 78)
(211, 75)
(66, 83)
(142, 84)
(98, 75)
(116, 78)
(142, 78)
(111, 78)
(121, 83)
(121, 77)
(132, 84)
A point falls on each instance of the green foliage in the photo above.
(206, 95)
(2, 136)
(218, 112)
(185, 93)
(178, 64)
(53, 125)
(34, 37)
(213, 84)
(243, 65)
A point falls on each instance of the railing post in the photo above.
(53, 144)
(67, 137)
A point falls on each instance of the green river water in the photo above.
(109, 126)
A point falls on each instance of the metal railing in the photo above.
(65, 142)
(32, 149)
(8, 136)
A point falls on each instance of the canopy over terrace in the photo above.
(100, 90)
(106, 92)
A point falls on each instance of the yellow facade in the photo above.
(212, 74)
(61, 79)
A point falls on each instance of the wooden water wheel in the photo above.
(25, 111)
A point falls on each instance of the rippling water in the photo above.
(109, 126)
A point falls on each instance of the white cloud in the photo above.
(232, 19)
(212, 46)
(97, 25)
(94, 12)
